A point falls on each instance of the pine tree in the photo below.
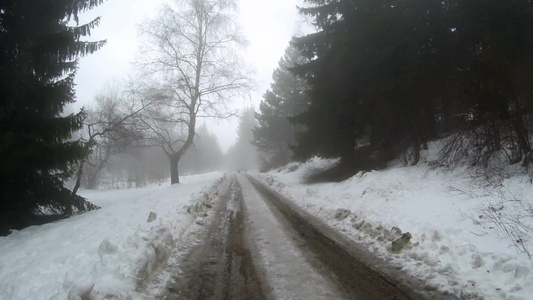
(39, 48)
(376, 72)
(243, 155)
(495, 52)
(338, 74)
(387, 76)
(413, 40)
(274, 134)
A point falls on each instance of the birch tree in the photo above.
(191, 49)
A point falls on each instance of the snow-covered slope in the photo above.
(457, 244)
(106, 253)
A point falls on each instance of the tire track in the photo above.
(345, 262)
(220, 266)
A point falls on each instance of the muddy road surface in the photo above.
(260, 246)
(220, 266)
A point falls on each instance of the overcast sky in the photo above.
(268, 25)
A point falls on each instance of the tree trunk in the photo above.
(92, 178)
(174, 174)
(78, 178)
(416, 152)
(521, 135)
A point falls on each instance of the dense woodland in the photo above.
(376, 80)
(386, 77)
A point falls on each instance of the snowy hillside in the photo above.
(107, 252)
(453, 217)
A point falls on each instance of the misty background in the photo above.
(220, 143)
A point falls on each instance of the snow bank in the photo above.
(454, 246)
(106, 253)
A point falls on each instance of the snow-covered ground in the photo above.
(107, 252)
(452, 216)
(464, 231)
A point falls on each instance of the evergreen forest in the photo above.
(379, 79)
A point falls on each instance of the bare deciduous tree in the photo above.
(191, 50)
(110, 128)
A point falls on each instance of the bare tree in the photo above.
(110, 128)
(191, 49)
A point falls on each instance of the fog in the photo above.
(267, 26)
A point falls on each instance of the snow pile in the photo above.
(457, 232)
(107, 253)
(315, 164)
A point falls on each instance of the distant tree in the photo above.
(135, 167)
(243, 155)
(39, 47)
(130, 168)
(205, 154)
(190, 49)
(274, 134)
(154, 165)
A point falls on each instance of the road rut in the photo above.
(220, 266)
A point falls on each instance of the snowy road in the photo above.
(218, 265)
(257, 247)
